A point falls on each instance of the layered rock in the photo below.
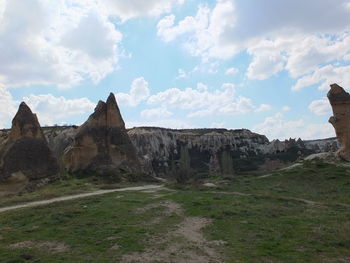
(340, 102)
(162, 152)
(101, 145)
(216, 151)
(26, 160)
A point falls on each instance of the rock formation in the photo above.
(217, 151)
(25, 157)
(102, 145)
(340, 102)
(203, 151)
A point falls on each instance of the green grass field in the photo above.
(296, 215)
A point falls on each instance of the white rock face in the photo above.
(217, 150)
(163, 152)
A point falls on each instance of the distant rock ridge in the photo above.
(340, 102)
(101, 145)
(218, 151)
(26, 160)
(31, 156)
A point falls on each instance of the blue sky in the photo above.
(265, 66)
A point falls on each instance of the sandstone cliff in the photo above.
(163, 152)
(340, 102)
(25, 157)
(101, 145)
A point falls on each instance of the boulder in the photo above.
(102, 145)
(25, 153)
(340, 102)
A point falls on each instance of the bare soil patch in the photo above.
(52, 246)
(183, 243)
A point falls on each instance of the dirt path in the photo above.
(181, 243)
(71, 197)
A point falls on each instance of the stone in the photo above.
(209, 185)
(102, 145)
(340, 102)
(25, 153)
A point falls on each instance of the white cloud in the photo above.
(277, 127)
(203, 102)
(321, 107)
(346, 57)
(201, 32)
(217, 125)
(156, 113)
(286, 108)
(280, 36)
(264, 66)
(182, 74)
(325, 76)
(139, 8)
(55, 110)
(229, 28)
(139, 92)
(231, 71)
(8, 107)
(263, 107)
(51, 43)
(308, 52)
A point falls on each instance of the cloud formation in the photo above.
(156, 113)
(8, 107)
(321, 107)
(139, 92)
(60, 43)
(293, 35)
(139, 8)
(56, 110)
(202, 102)
(278, 127)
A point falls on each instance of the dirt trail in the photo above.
(181, 243)
(71, 197)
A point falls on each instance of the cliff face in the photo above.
(165, 152)
(340, 102)
(31, 156)
(101, 145)
(217, 151)
(25, 157)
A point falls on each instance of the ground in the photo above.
(296, 215)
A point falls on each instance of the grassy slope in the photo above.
(263, 227)
(67, 186)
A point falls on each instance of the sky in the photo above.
(261, 65)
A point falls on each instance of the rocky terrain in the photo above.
(340, 102)
(201, 152)
(26, 160)
(102, 146)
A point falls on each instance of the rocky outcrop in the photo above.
(199, 152)
(25, 157)
(340, 102)
(166, 152)
(101, 145)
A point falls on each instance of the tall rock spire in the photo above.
(102, 144)
(25, 124)
(114, 118)
(25, 157)
(340, 102)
